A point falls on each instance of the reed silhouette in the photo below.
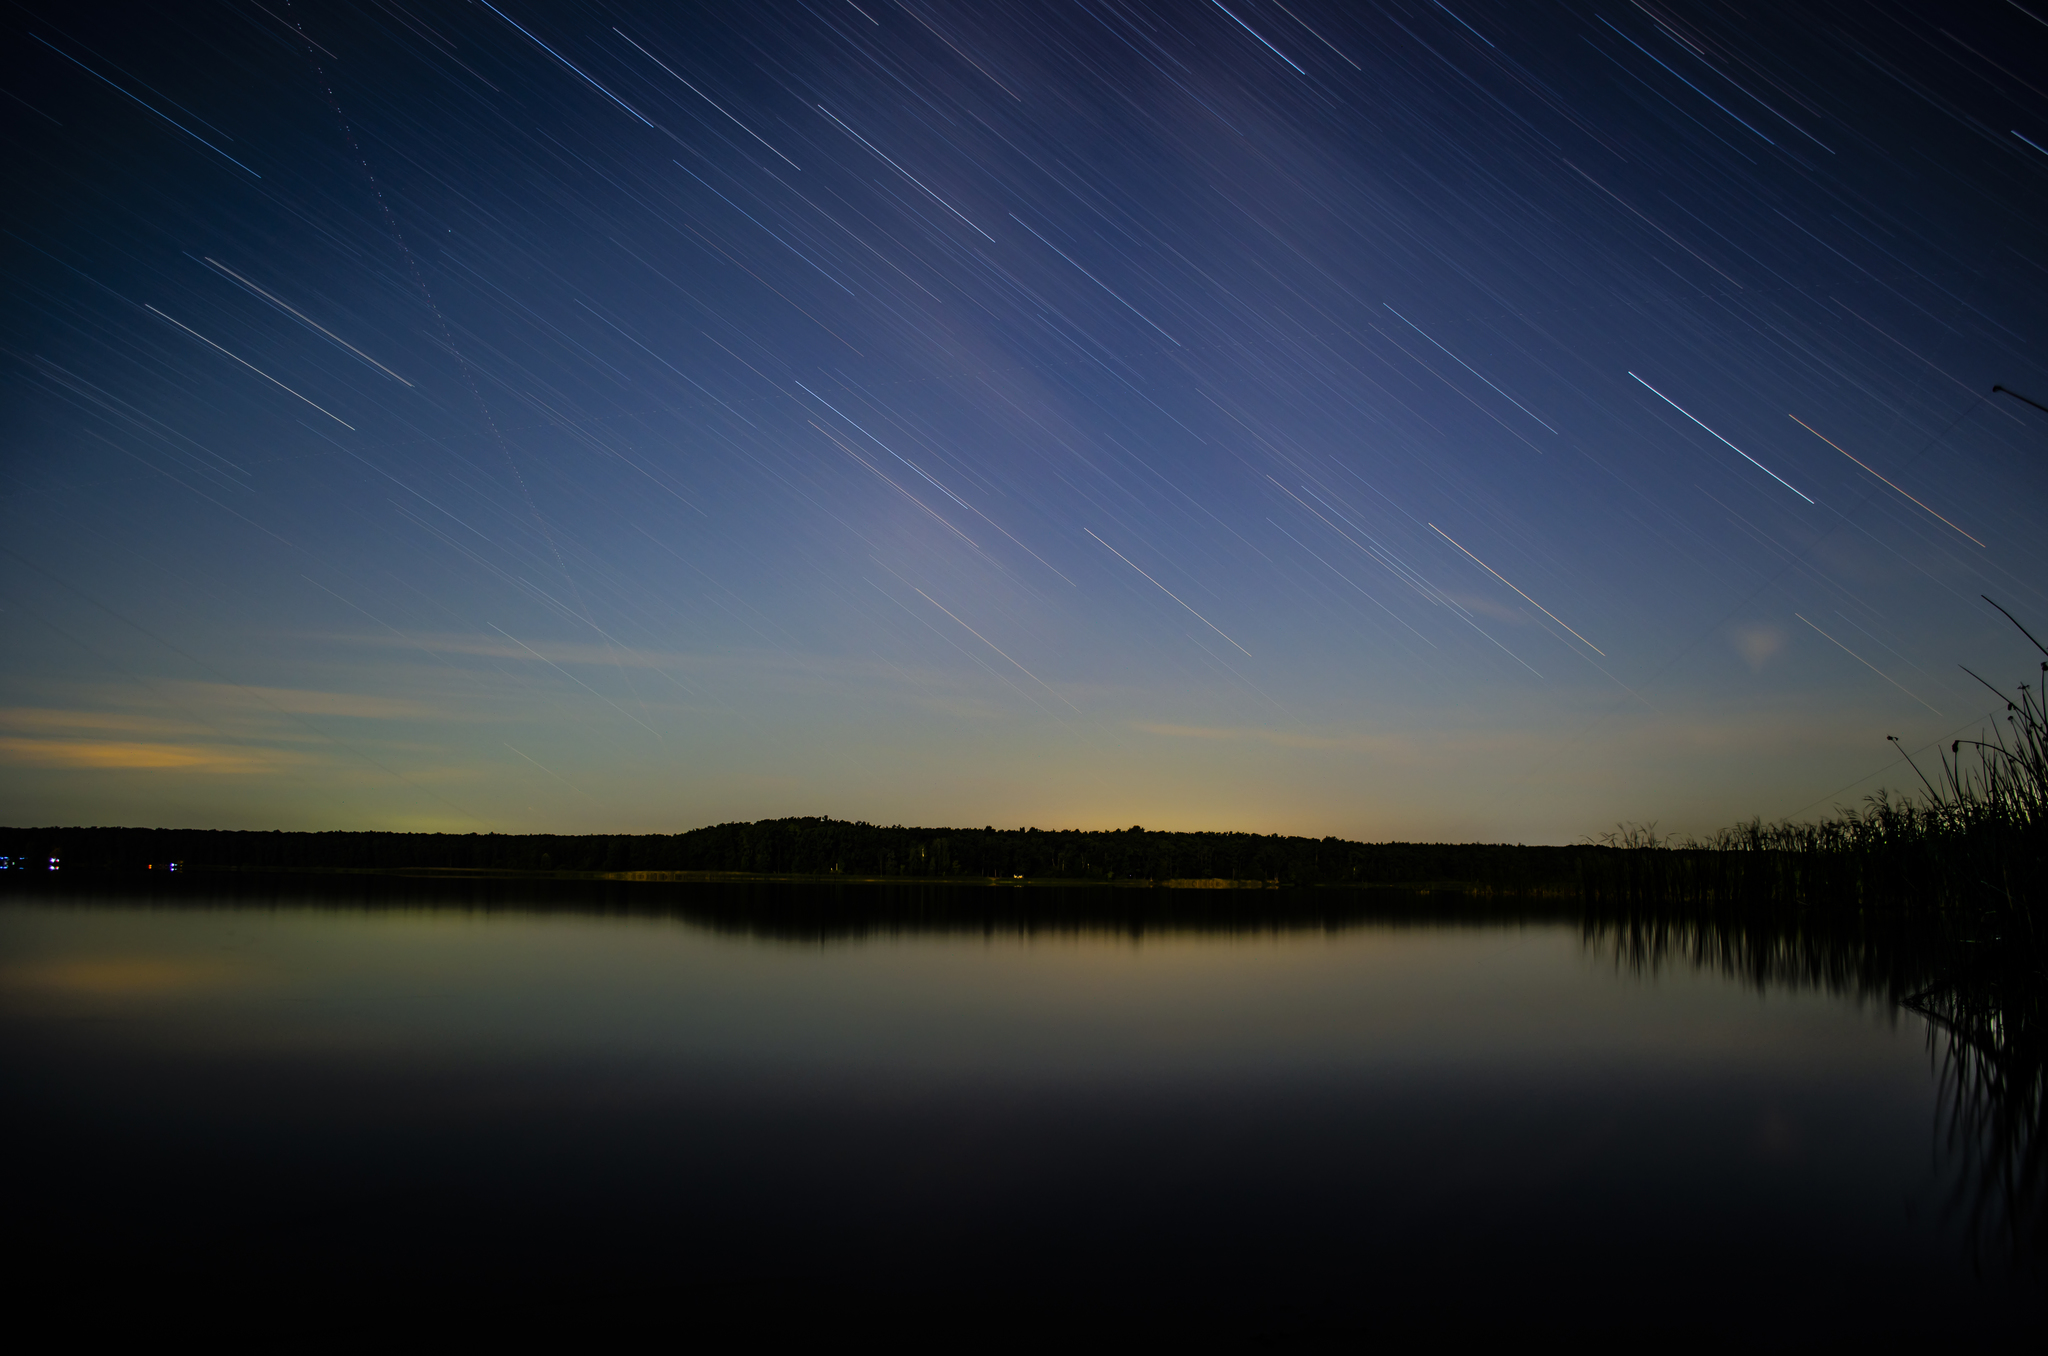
(1972, 842)
(1931, 902)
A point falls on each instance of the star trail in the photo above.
(583, 416)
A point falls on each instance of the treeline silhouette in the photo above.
(829, 847)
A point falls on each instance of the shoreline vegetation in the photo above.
(1927, 903)
(1974, 846)
(827, 852)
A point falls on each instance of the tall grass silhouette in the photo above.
(1931, 900)
(1970, 843)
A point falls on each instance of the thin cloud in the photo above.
(124, 755)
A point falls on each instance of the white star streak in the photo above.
(1171, 594)
(1866, 664)
(1525, 597)
(1731, 446)
(257, 370)
(998, 649)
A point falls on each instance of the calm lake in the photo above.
(809, 1101)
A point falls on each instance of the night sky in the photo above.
(1377, 419)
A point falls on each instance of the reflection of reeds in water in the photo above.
(1864, 956)
(1987, 1024)
(1981, 995)
(1933, 903)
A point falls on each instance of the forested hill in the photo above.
(815, 846)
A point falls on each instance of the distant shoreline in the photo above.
(453, 873)
(820, 851)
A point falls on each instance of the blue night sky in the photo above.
(1378, 419)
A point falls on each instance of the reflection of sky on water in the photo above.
(1426, 1119)
(1053, 1006)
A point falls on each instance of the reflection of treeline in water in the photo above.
(813, 912)
(830, 847)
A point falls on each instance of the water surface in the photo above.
(1366, 1120)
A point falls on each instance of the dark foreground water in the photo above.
(1005, 1109)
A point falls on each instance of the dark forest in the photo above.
(818, 847)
